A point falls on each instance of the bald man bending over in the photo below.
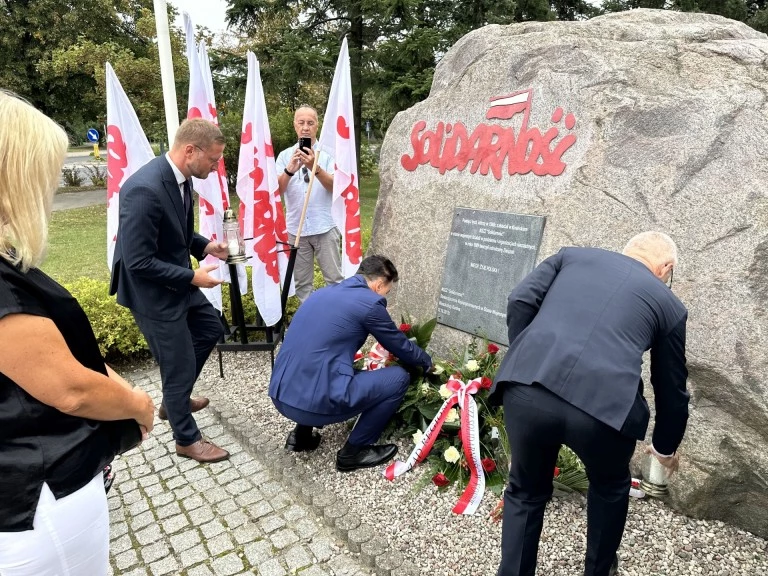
(578, 327)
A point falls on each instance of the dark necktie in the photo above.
(187, 197)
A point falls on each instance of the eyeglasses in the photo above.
(671, 274)
(211, 160)
(305, 172)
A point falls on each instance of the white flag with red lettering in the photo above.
(213, 201)
(205, 66)
(338, 139)
(127, 150)
(262, 220)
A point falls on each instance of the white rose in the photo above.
(417, 436)
(425, 387)
(437, 370)
(451, 455)
(453, 415)
(472, 366)
(444, 392)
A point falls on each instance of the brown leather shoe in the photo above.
(203, 451)
(195, 404)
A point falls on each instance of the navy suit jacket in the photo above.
(579, 325)
(314, 369)
(151, 270)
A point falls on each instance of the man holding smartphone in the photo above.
(319, 236)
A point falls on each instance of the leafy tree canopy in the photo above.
(54, 51)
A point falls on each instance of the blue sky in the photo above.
(209, 13)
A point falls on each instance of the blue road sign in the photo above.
(92, 135)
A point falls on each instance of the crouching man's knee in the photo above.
(400, 377)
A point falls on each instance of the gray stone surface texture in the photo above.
(671, 133)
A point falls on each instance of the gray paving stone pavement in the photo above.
(170, 515)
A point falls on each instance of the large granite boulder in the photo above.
(634, 121)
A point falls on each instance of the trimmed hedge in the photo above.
(115, 329)
(114, 326)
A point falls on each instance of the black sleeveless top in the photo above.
(37, 442)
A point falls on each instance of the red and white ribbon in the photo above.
(634, 489)
(377, 358)
(470, 440)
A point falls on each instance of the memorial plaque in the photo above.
(488, 254)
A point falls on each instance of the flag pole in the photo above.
(306, 199)
(166, 69)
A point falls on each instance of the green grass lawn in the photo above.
(77, 244)
(77, 240)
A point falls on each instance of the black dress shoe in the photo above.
(614, 570)
(295, 444)
(366, 457)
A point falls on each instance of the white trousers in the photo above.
(70, 536)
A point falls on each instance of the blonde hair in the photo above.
(198, 132)
(32, 151)
(655, 247)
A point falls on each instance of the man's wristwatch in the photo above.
(289, 173)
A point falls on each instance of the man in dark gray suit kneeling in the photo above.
(578, 327)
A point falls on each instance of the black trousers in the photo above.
(181, 348)
(537, 423)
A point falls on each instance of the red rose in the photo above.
(492, 348)
(557, 471)
(440, 480)
(486, 382)
(489, 465)
(405, 327)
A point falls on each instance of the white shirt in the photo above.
(318, 219)
(179, 177)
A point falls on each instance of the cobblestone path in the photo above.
(170, 515)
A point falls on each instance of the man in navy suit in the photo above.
(314, 382)
(578, 327)
(152, 275)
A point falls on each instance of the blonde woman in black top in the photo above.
(64, 414)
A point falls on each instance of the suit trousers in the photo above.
(325, 247)
(69, 536)
(386, 386)
(537, 423)
(181, 347)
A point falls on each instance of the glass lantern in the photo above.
(654, 477)
(233, 239)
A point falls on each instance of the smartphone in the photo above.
(305, 144)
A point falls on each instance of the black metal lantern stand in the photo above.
(235, 337)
